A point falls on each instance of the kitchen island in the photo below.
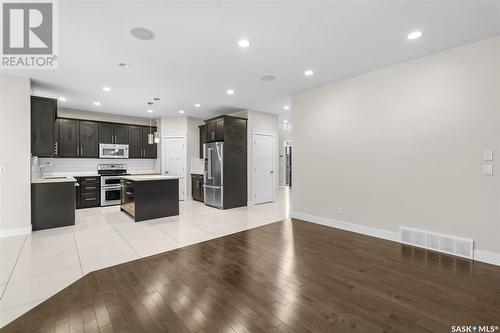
(147, 197)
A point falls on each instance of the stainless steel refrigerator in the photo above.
(213, 184)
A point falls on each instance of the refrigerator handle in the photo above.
(209, 153)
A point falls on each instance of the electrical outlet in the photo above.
(340, 211)
(2, 170)
(488, 169)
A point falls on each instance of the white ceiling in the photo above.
(195, 57)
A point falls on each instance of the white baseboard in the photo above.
(379, 233)
(487, 257)
(479, 255)
(15, 232)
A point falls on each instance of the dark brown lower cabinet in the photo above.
(88, 193)
(197, 187)
(52, 205)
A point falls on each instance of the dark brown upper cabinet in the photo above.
(150, 151)
(113, 133)
(106, 133)
(78, 138)
(43, 118)
(203, 138)
(134, 141)
(120, 132)
(214, 129)
(138, 142)
(68, 138)
(89, 139)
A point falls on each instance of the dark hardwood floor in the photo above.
(289, 276)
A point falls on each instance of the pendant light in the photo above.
(150, 135)
(157, 132)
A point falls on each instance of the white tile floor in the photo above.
(37, 266)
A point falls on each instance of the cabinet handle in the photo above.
(115, 138)
(90, 188)
(89, 199)
(77, 151)
(81, 151)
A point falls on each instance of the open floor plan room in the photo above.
(250, 166)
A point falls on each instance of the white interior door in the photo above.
(174, 161)
(263, 168)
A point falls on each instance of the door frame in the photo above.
(273, 135)
(287, 143)
(164, 139)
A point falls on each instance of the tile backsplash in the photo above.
(87, 165)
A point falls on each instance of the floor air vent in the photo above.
(461, 247)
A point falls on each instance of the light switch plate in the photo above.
(488, 155)
(488, 169)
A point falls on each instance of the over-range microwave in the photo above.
(107, 150)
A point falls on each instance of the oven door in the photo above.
(113, 151)
(110, 195)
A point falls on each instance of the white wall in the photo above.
(403, 146)
(15, 154)
(264, 123)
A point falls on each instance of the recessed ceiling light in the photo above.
(243, 43)
(150, 110)
(124, 65)
(230, 92)
(142, 33)
(267, 77)
(108, 89)
(285, 121)
(286, 107)
(308, 72)
(197, 105)
(181, 111)
(62, 99)
(415, 35)
(97, 103)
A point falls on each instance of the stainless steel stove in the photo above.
(110, 182)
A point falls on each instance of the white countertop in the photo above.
(142, 178)
(54, 179)
(95, 174)
(150, 172)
